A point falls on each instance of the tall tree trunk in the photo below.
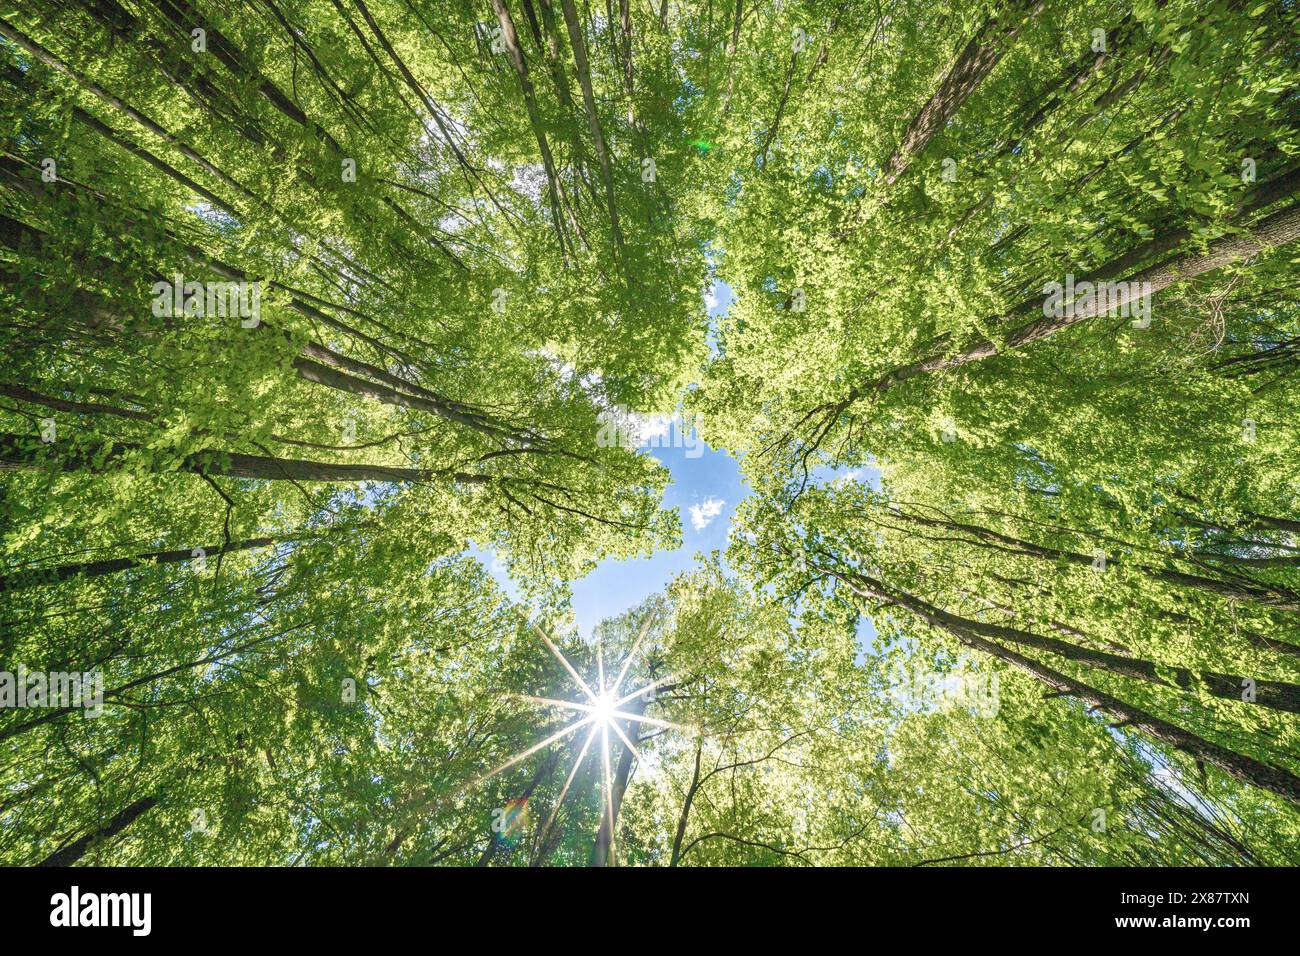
(684, 818)
(516, 53)
(74, 851)
(579, 46)
(18, 453)
(733, 44)
(975, 62)
(544, 767)
(600, 849)
(1267, 595)
(1276, 780)
(1275, 230)
(94, 569)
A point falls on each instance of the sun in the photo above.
(603, 708)
(602, 711)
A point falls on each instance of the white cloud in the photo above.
(703, 513)
(711, 297)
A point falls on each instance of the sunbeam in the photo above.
(603, 711)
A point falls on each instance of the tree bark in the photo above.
(1247, 769)
(73, 852)
(1264, 594)
(685, 816)
(1275, 230)
(516, 53)
(18, 453)
(579, 47)
(975, 62)
(95, 569)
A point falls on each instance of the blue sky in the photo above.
(712, 485)
(706, 488)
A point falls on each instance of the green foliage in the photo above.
(471, 231)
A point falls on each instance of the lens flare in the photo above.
(603, 710)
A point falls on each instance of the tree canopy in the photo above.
(308, 304)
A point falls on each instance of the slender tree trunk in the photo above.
(733, 45)
(1275, 230)
(63, 405)
(18, 453)
(516, 53)
(1247, 769)
(1264, 594)
(311, 364)
(975, 62)
(9, 32)
(543, 768)
(553, 60)
(579, 47)
(600, 849)
(49, 715)
(73, 852)
(685, 815)
(95, 569)
(1275, 695)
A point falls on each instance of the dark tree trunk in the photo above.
(1255, 772)
(21, 454)
(73, 852)
(94, 569)
(976, 61)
